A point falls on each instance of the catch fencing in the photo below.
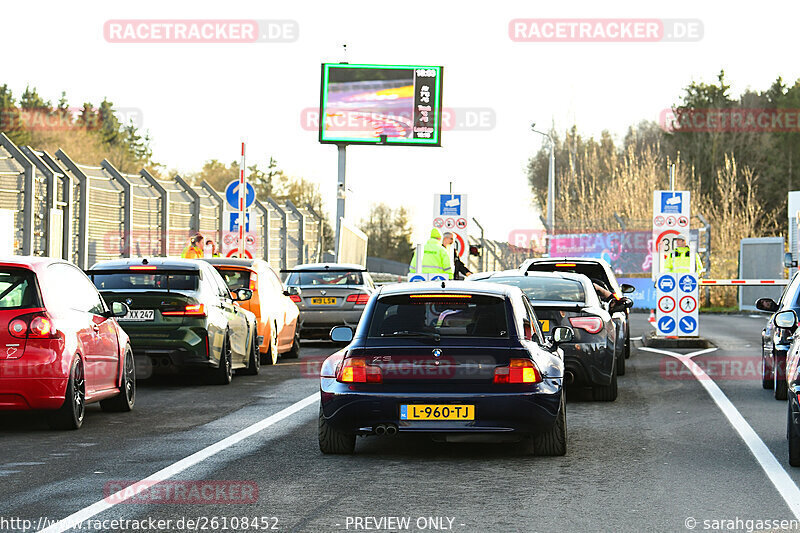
(86, 213)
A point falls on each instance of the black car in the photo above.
(566, 299)
(786, 321)
(601, 273)
(456, 360)
(182, 317)
(775, 341)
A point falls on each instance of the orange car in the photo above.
(276, 313)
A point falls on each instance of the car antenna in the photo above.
(526, 272)
(443, 284)
(144, 261)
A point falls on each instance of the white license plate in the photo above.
(138, 315)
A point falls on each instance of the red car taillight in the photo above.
(517, 371)
(356, 370)
(253, 281)
(195, 310)
(33, 326)
(295, 298)
(359, 298)
(591, 324)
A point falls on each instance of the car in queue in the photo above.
(458, 361)
(62, 346)
(328, 295)
(566, 299)
(776, 341)
(601, 273)
(276, 313)
(786, 321)
(182, 317)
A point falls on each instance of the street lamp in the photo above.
(551, 185)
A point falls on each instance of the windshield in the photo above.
(337, 277)
(447, 315)
(593, 271)
(18, 289)
(553, 289)
(235, 279)
(132, 280)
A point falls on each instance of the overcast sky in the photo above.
(198, 101)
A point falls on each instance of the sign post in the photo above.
(450, 214)
(666, 312)
(671, 215)
(239, 239)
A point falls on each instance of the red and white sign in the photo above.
(671, 221)
(688, 304)
(450, 214)
(658, 221)
(230, 244)
(666, 304)
(683, 221)
(461, 223)
(459, 241)
(449, 223)
(438, 222)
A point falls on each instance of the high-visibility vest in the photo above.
(192, 252)
(679, 261)
(435, 260)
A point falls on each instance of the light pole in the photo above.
(551, 185)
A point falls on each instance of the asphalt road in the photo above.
(662, 455)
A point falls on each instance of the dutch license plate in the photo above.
(437, 412)
(545, 325)
(323, 301)
(138, 315)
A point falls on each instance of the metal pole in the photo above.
(483, 260)
(551, 189)
(340, 194)
(242, 212)
(672, 177)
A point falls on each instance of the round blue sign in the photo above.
(438, 278)
(666, 283)
(416, 277)
(687, 283)
(687, 324)
(666, 324)
(232, 194)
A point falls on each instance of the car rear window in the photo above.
(552, 289)
(235, 279)
(338, 277)
(450, 315)
(18, 289)
(148, 280)
(592, 271)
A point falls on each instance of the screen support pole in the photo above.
(340, 194)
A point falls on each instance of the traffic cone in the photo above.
(652, 318)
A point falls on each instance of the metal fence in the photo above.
(87, 213)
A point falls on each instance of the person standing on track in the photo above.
(458, 268)
(435, 259)
(679, 260)
(195, 248)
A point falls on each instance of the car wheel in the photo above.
(294, 352)
(332, 441)
(253, 362)
(123, 402)
(627, 348)
(794, 440)
(779, 380)
(271, 357)
(621, 363)
(554, 442)
(766, 376)
(70, 414)
(606, 393)
(223, 374)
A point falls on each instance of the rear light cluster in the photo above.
(360, 298)
(356, 370)
(591, 324)
(295, 298)
(253, 281)
(517, 371)
(189, 310)
(33, 326)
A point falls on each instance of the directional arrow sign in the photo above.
(666, 325)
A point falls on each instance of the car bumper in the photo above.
(590, 363)
(170, 351)
(529, 412)
(313, 323)
(20, 394)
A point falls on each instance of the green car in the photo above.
(182, 317)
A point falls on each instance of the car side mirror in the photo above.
(242, 295)
(788, 260)
(766, 304)
(562, 334)
(786, 320)
(627, 288)
(342, 334)
(621, 304)
(286, 292)
(119, 309)
(292, 291)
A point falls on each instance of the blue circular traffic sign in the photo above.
(687, 324)
(232, 194)
(438, 278)
(666, 283)
(416, 277)
(687, 283)
(666, 324)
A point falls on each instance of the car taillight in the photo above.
(517, 371)
(33, 326)
(591, 324)
(253, 281)
(356, 370)
(295, 298)
(359, 298)
(189, 310)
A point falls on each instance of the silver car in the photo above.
(328, 295)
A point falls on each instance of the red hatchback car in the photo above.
(60, 345)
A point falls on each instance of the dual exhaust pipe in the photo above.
(385, 430)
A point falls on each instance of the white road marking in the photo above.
(170, 471)
(784, 484)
